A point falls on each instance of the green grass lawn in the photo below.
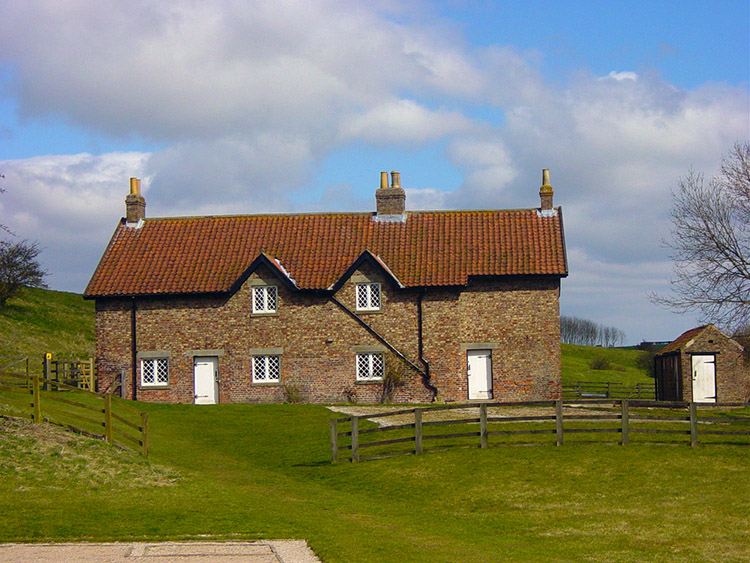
(38, 321)
(263, 471)
(577, 362)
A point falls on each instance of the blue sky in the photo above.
(245, 107)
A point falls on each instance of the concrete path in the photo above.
(281, 551)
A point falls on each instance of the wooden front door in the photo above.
(704, 379)
(206, 372)
(479, 373)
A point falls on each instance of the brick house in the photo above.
(333, 307)
(703, 365)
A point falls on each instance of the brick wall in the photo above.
(732, 372)
(518, 317)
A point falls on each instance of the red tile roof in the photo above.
(681, 340)
(440, 248)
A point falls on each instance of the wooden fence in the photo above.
(105, 417)
(608, 390)
(529, 422)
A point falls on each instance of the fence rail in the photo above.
(608, 390)
(105, 417)
(529, 423)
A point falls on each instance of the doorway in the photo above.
(704, 379)
(206, 374)
(479, 373)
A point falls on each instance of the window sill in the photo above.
(274, 314)
(368, 382)
(368, 311)
(155, 387)
(267, 384)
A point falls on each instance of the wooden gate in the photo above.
(77, 373)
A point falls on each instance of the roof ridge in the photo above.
(333, 214)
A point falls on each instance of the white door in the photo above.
(704, 379)
(479, 365)
(206, 371)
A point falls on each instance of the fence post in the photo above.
(693, 424)
(559, 421)
(609, 389)
(144, 433)
(483, 424)
(355, 439)
(47, 376)
(35, 398)
(625, 423)
(334, 440)
(417, 430)
(108, 418)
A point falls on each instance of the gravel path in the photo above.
(280, 551)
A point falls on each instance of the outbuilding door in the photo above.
(206, 372)
(479, 373)
(704, 379)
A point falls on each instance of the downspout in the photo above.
(420, 333)
(133, 349)
(372, 331)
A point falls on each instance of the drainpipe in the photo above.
(133, 349)
(420, 333)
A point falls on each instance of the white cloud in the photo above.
(624, 75)
(402, 122)
(70, 204)
(249, 97)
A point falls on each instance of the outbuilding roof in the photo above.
(188, 255)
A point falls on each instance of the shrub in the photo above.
(600, 363)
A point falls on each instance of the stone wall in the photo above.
(518, 319)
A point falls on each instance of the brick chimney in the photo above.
(545, 194)
(391, 201)
(135, 205)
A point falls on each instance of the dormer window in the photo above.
(368, 297)
(265, 298)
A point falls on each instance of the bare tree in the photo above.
(710, 243)
(587, 333)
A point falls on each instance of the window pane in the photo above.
(271, 299)
(274, 372)
(259, 300)
(370, 366)
(147, 370)
(362, 300)
(375, 296)
(259, 368)
(155, 371)
(377, 366)
(162, 370)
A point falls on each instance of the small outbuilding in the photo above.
(702, 365)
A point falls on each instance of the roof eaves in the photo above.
(273, 264)
(375, 261)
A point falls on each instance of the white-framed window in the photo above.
(266, 369)
(370, 367)
(265, 298)
(154, 371)
(368, 297)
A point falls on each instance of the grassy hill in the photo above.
(39, 321)
(578, 365)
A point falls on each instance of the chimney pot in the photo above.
(395, 180)
(390, 202)
(545, 193)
